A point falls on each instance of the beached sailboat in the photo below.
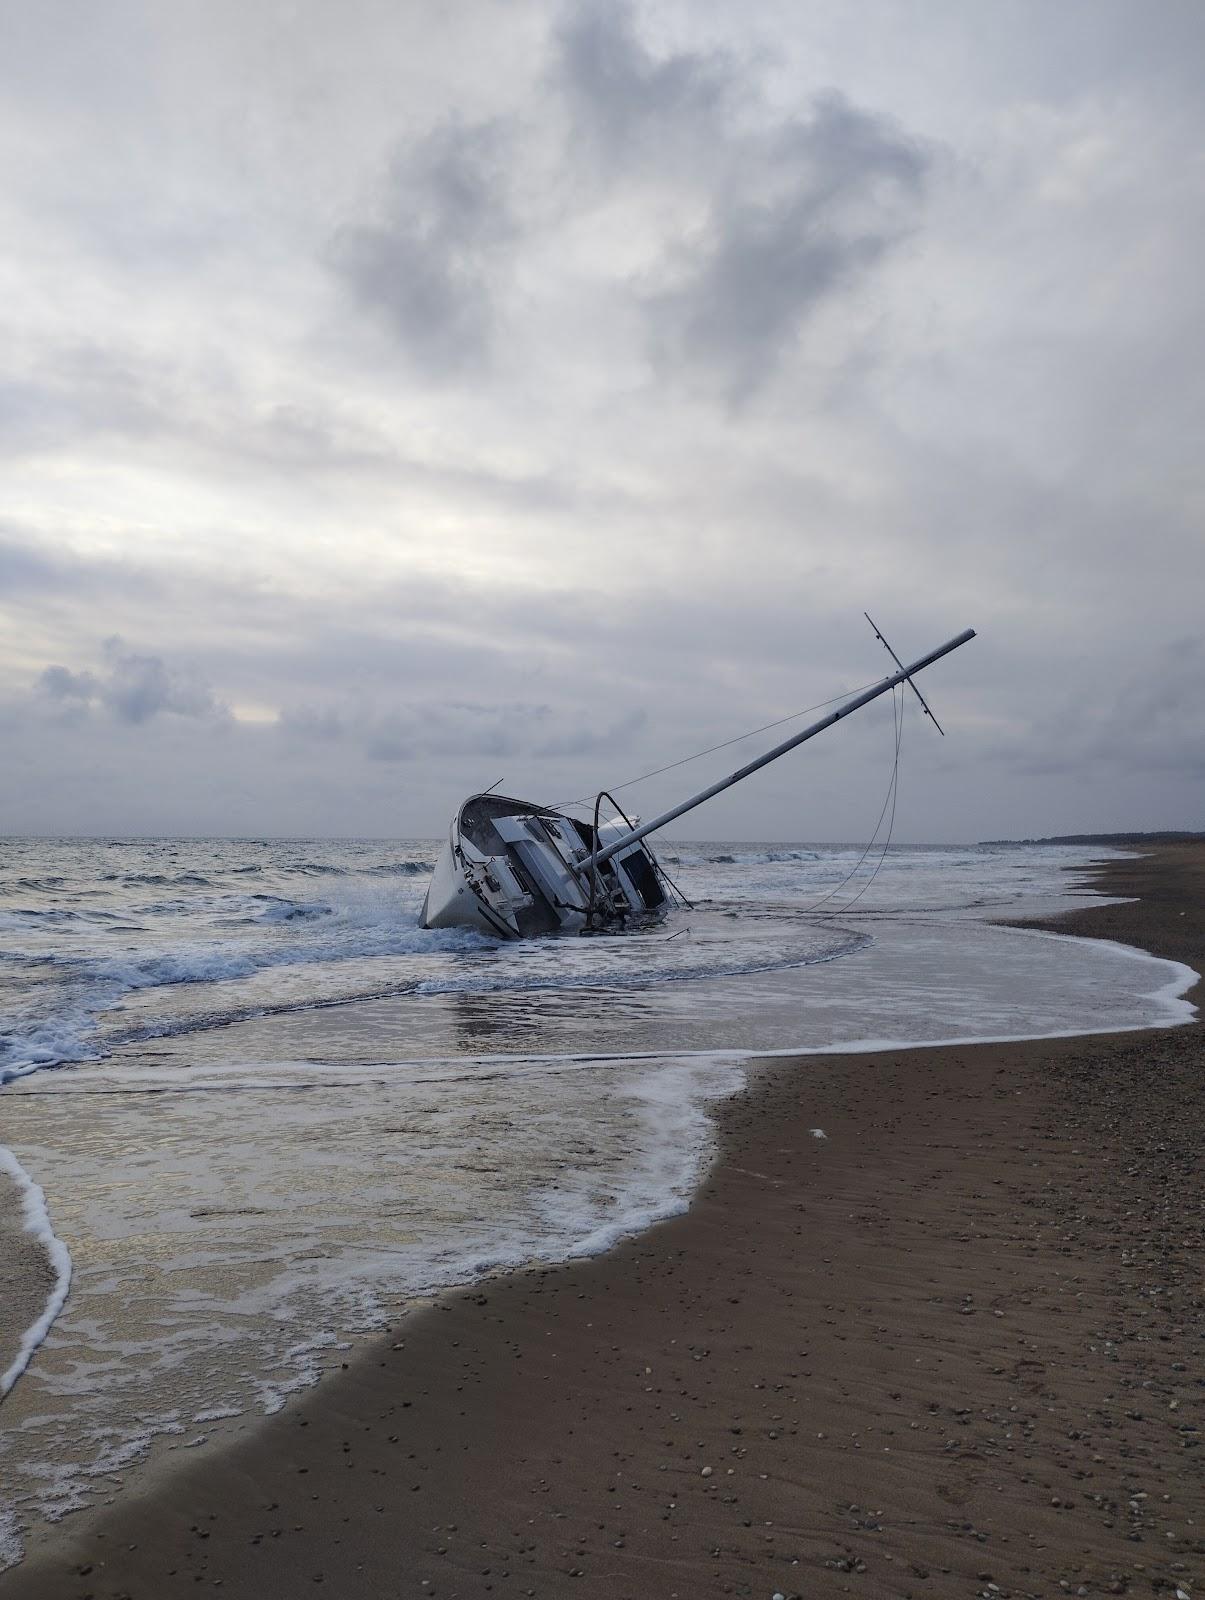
(516, 869)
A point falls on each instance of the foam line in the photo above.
(37, 1222)
(1170, 995)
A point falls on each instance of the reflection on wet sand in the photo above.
(509, 1023)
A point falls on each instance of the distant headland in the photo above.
(1166, 836)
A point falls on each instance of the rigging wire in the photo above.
(889, 800)
(895, 790)
(588, 800)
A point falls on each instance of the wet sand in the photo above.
(27, 1274)
(954, 1347)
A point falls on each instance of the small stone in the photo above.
(706, 1472)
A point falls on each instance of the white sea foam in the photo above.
(1167, 1008)
(218, 1413)
(60, 1022)
(670, 1146)
(97, 954)
(12, 1547)
(202, 986)
(37, 1221)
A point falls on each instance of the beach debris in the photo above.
(818, 1133)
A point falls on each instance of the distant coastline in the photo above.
(1165, 837)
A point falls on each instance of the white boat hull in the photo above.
(515, 870)
(452, 902)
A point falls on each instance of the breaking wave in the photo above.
(367, 947)
(181, 880)
(57, 1025)
(177, 935)
(277, 910)
(741, 858)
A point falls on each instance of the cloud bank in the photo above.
(544, 391)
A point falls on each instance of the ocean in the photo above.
(256, 1113)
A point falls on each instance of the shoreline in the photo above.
(681, 1349)
(35, 1270)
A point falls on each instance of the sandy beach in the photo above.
(933, 1326)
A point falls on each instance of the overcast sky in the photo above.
(397, 397)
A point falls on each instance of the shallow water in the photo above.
(267, 1110)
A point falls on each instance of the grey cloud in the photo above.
(83, 398)
(624, 99)
(1152, 720)
(614, 738)
(795, 209)
(141, 686)
(807, 212)
(309, 723)
(60, 684)
(420, 730)
(32, 565)
(83, 389)
(23, 566)
(134, 688)
(385, 747)
(427, 266)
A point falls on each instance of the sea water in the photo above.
(261, 1110)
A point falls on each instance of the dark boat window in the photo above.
(539, 917)
(640, 870)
